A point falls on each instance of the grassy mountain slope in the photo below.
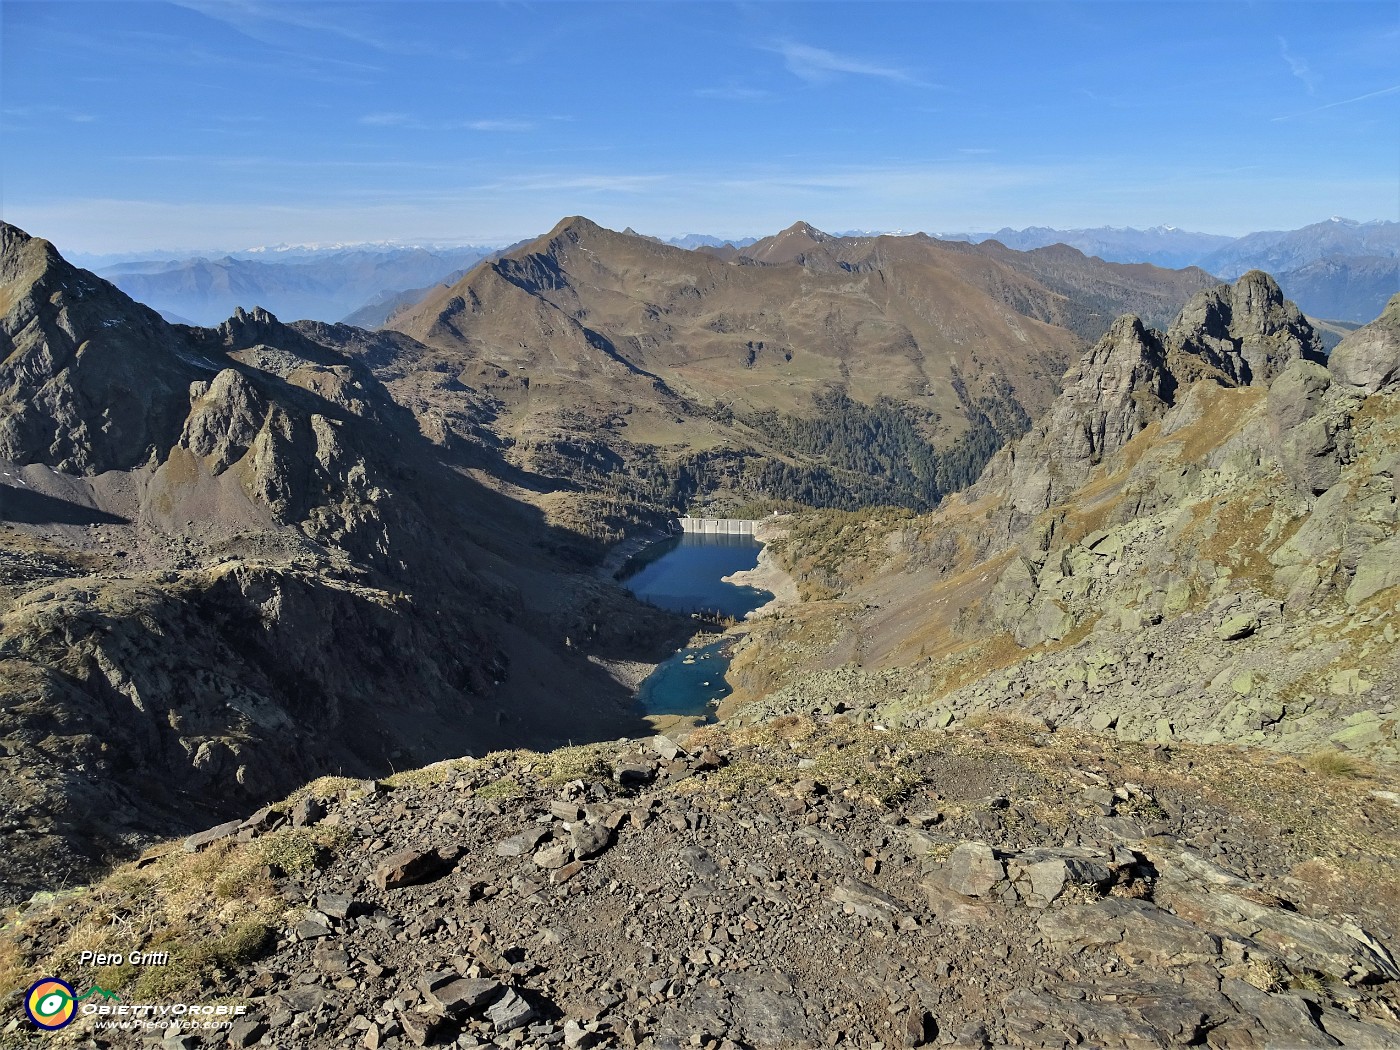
(616, 355)
(1168, 554)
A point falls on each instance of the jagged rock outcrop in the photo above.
(1309, 441)
(1247, 330)
(251, 327)
(1115, 390)
(225, 418)
(1311, 406)
(90, 380)
(1234, 335)
(1224, 572)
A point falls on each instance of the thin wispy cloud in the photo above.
(273, 163)
(581, 183)
(499, 125)
(1393, 89)
(732, 93)
(265, 21)
(1298, 67)
(46, 112)
(151, 48)
(412, 123)
(817, 65)
(1112, 101)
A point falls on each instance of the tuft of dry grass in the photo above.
(214, 911)
(1338, 765)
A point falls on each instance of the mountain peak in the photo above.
(576, 225)
(1247, 330)
(24, 259)
(71, 340)
(806, 229)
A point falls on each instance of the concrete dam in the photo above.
(716, 526)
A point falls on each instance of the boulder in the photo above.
(1378, 569)
(1369, 358)
(412, 867)
(973, 870)
(589, 840)
(553, 857)
(420, 1028)
(459, 996)
(634, 770)
(1235, 627)
(1311, 440)
(1296, 395)
(510, 1012)
(307, 812)
(1047, 621)
(199, 840)
(1040, 876)
(522, 844)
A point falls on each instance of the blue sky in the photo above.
(212, 123)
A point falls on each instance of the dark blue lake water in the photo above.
(685, 575)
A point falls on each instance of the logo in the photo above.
(51, 1003)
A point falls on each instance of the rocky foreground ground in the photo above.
(799, 883)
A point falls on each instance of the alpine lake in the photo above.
(685, 574)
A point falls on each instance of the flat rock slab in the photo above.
(199, 840)
(955, 909)
(1344, 951)
(412, 867)
(1136, 931)
(829, 842)
(973, 870)
(464, 995)
(867, 901)
(767, 1013)
(338, 905)
(522, 844)
(510, 1012)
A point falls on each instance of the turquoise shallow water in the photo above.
(689, 683)
(684, 575)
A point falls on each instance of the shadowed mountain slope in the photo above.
(232, 562)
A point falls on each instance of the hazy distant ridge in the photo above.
(1339, 268)
(324, 284)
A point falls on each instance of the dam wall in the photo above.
(717, 526)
